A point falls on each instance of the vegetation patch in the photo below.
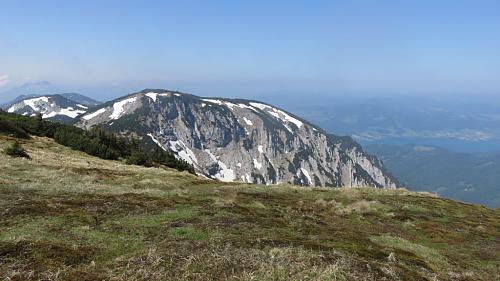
(145, 222)
(188, 232)
(110, 244)
(16, 150)
(431, 256)
(360, 207)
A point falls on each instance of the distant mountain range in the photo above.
(460, 124)
(468, 177)
(224, 139)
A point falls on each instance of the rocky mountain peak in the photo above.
(240, 140)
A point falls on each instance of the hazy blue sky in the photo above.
(249, 48)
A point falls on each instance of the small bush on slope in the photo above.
(16, 150)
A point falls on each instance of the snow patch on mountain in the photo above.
(34, 103)
(257, 164)
(94, 114)
(183, 151)
(152, 95)
(230, 105)
(306, 174)
(118, 107)
(225, 174)
(244, 106)
(219, 102)
(247, 121)
(156, 141)
(278, 114)
(260, 106)
(69, 111)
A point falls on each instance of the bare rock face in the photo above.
(240, 140)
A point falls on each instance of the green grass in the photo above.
(145, 221)
(432, 256)
(69, 216)
(188, 232)
(27, 229)
(109, 244)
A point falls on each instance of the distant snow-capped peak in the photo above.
(53, 107)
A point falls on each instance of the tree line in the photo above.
(95, 142)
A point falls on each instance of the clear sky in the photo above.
(249, 48)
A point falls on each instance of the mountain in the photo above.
(18, 99)
(31, 89)
(52, 107)
(468, 177)
(240, 140)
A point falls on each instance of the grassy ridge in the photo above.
(69, 216)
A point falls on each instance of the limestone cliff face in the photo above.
(240, 140)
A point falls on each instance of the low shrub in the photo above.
(16, 150)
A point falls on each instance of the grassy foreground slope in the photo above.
(66, 215)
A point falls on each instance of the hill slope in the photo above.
(468, 177)
(240, 140)
(69, 216)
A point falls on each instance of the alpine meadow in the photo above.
(249, 140)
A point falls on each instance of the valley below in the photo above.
(467, 177)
